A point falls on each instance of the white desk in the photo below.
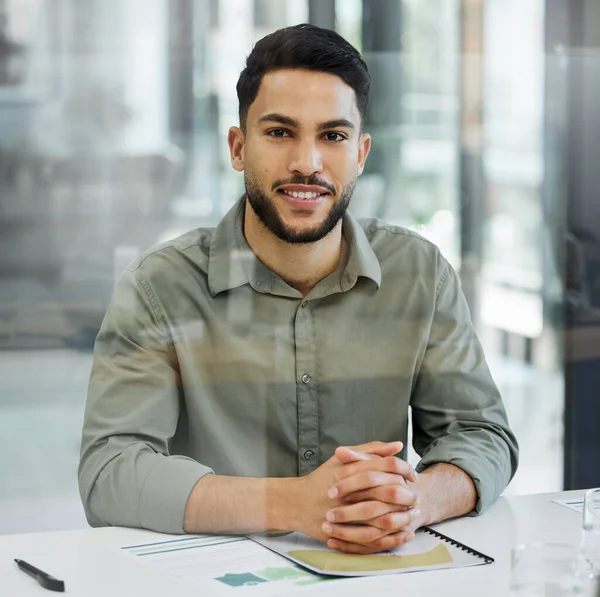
(91, 565)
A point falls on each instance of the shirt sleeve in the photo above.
(457, 412)
(127, 476)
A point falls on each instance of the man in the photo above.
(259, 375)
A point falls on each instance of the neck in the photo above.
(301, 265)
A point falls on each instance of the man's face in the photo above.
(301, 153)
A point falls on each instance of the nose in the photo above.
(305, 159)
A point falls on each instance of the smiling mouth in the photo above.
(297, 195)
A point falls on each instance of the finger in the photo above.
(379, 448)
(353, 533)
(386, 543)
(389, 464)
(347, 455)
(364, 480)
(393, 522)
(398, 495)
(359, 512)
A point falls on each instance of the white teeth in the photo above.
(302, 195)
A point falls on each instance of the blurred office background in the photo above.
(113, 122)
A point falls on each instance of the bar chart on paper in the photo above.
(228, 565)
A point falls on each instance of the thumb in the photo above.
(387, 449)
(347, 455)
(380, 448)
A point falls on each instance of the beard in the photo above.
(267, 213)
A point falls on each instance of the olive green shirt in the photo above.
(209, 362)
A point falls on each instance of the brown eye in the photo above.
(278, 133)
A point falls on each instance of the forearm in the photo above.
(445, 491)
(219, 504)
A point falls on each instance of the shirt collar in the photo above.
(362, 261)
(232, 263)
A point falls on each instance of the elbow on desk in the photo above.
(88, 490)
(106, 484)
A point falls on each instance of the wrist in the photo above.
(283, 507)
(426, 506)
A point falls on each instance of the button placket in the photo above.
(306, 392)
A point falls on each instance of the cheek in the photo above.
(346, 168)
(260, 174)
(344, 158)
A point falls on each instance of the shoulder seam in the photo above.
(155, 307)
(442, 281)
(165, 248)
(398, 231)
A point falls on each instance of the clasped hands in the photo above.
(362, 499)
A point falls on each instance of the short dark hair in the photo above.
(304, 47)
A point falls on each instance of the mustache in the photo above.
(310, 181)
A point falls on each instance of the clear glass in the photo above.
(591, 530)
(113, 138)
(548, 570)
(520, 265)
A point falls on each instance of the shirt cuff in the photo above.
(165, 493)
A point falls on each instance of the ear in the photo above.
(364, 147)
(236, 140)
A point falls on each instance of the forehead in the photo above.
(305, 95)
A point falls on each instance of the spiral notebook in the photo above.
(430, 550)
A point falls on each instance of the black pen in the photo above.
(45, 580)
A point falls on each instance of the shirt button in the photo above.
(308, 454)
(258, 283)
(303, 305)
(305, 378)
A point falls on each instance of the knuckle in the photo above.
(402, 519)
(392, 493)
(396, 520)
(386, 522)
(387, 542)
(397, 465)
(398, 539)
(369, 510)
(372, 534)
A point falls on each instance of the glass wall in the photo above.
(520, 266)
(113, 124)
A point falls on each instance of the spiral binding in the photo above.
(469, 550)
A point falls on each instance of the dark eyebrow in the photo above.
(279, 118)
(334, 124)
(287, 121)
